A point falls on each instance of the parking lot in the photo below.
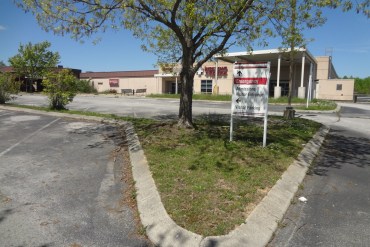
(62, 183)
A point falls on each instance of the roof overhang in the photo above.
(166, 75)
(267, 56)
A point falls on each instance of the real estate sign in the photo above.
(250, 89)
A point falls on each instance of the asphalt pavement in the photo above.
(134, 106)
(337, 189)
(62, 183)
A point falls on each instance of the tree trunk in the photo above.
(186, 99)
(289, 112)
(291, 73)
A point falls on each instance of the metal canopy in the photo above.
(267, 56)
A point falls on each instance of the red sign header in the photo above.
(114, 82)
(250, 81)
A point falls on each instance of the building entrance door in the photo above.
(171, 87)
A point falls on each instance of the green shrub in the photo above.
(84, 86)
(60, 87)
(362, 86)
(8, 86)
(110, 91)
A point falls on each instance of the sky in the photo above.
(346, 35)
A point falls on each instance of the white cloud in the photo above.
(2, 28)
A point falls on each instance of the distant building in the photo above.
(216, 77)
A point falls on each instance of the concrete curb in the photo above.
(163, 231)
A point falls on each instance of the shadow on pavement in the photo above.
(339, 150)
(4, 214)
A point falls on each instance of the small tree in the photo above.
(8, 86)
(290, 21)
(60, 87)
(362, 86)
(84, 86)
(33, 61)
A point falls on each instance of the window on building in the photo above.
(206, 86)
(339, 87)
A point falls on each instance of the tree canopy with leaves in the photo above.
(290, 21)
(34, 60)
(187, 31)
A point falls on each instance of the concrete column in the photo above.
(277, 89)
(277, 92)
(215, 91)
(309, 91)
(176, 89)
(302, 89)
(309, 94)
(301, 92)
(156, 86)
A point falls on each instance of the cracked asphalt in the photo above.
(62, 184)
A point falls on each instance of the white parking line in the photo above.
(27, 137)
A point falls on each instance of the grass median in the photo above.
(209, 185)
(298, 103)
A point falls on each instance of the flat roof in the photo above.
(271, 55)
(119, 74)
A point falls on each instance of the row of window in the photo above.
(206, 87)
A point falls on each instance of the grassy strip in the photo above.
(195, 96)
(315, 104)
(209, 185)
(281, 100)
(164, 96)
(284, 100)
(319, 105)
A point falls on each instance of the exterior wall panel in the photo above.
(336, 89)
(150, 84)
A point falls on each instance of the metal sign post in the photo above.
(250, 93)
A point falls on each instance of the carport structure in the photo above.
(303, 76)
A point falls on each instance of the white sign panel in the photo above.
(250, 89)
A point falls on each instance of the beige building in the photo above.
(127, 82)
(313, 77)
(329, 86)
